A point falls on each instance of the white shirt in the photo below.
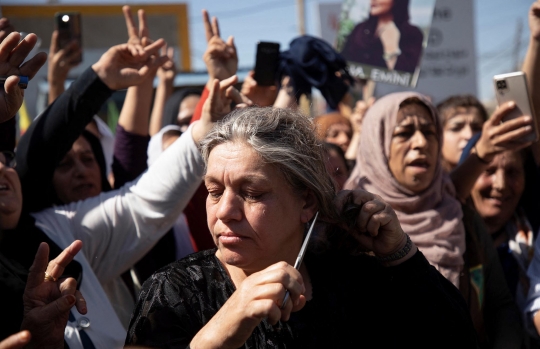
(118, 228)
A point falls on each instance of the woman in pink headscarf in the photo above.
(399, 159)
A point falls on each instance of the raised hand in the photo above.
(61, 61)
(358, 113)
(218, 105)
(48, 299)
(12, 55)
(219, 100)
(262, 96)
(140, 36)
(534, 20)
(167, 71)
(374, 225)
(220, 57)
(498, 137)
(6, 28)
(127, 65)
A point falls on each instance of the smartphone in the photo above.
(68, 25)
(513, 87)
(266, 63)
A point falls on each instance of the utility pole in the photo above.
(517, 44)
(301, 17)
(304, 102)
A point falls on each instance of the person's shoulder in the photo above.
(189, 271)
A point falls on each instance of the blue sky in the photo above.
(276, 20)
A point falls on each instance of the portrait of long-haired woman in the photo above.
(385, 39)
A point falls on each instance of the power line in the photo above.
(505, 53)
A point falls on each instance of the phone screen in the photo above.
(513, 87)
(266, 63)
(68, 25)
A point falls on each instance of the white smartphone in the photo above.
(513, 87)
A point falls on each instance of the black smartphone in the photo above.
(68, 25)
(266, 63)
(513, 87)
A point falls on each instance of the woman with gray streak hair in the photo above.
(266, 178)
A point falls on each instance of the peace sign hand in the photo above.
(140, 37)
(48, 300)
(217, 105)
(220, 57)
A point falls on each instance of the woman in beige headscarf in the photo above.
(399, 159)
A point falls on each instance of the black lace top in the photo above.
(356, 303)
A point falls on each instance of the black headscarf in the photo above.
(172, 106)
(51, 198)
(312, 62)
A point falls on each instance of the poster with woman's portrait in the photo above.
(383, 40)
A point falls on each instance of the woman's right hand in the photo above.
(13, 52)
(498, 137)
(534, 20)
(62, 60)
(220, 57)
(258, 297)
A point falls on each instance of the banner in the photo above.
(449, 62)
(383, 40)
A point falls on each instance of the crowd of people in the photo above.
(182, 229)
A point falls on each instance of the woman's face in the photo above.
(457, 132)
(498, 190)
(10, 196)
(340, 135)
(253, 214)
(414, 148)
(77, 176)
(186, 111)
(381, 7)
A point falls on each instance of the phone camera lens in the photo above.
(501, 85)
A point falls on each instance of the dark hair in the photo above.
(51, 198)
(328, 147)
(172, 106)
(400, 11)
(449, 105)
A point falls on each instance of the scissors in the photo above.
(300, 257)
